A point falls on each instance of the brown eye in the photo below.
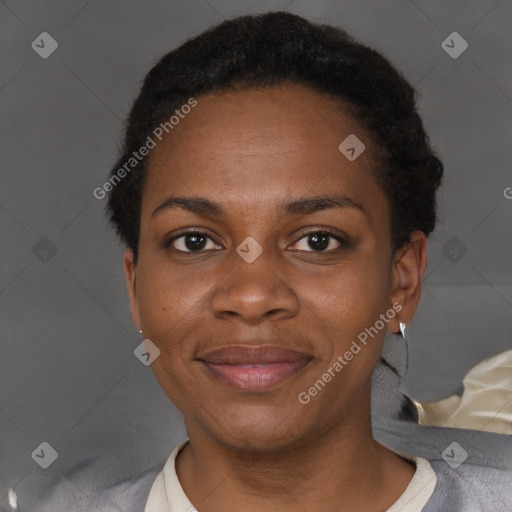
(319, 241)
(191, 241)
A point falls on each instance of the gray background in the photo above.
(68, 375)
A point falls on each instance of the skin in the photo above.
(250, 151)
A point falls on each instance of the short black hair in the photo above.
(277, 48)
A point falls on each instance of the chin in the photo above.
(260, 431)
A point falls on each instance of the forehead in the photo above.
(260, 146)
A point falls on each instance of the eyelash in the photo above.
(324, 231)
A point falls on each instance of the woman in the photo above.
(274, 192)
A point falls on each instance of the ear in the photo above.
(130, 270)
(408, 267)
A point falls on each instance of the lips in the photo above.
(254, 369)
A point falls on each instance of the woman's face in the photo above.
(258, 155)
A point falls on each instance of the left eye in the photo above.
(319, 241)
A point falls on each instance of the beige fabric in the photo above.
(420, 488)
(167, 495)
(486, 403)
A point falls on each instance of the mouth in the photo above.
(254, 369)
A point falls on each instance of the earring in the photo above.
(140, 332)
(403, 325)
(417, 409)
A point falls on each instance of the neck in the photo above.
(344, 465)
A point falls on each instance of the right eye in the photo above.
(190, 241)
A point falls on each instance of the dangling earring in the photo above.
(418, 409)
(403, 325)
(140, 332)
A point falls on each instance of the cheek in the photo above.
(170, 303)
(170, 308)
(345, 306)
(350, 295)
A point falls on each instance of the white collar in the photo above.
(167, 494)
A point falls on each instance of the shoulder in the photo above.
(470, 488)
(129, 495)
(77, 492)
(473, 468)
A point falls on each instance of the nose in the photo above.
(254, 292)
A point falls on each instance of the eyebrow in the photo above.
(302, 206)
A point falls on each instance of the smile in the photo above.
(255, 377)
